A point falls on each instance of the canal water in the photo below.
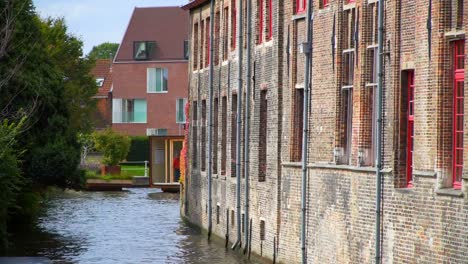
(133, 226)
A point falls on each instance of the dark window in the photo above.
(216, 38)
(262, 230)
(233, 221)
(203, 139)
(186, 49)
(259, 21)
(225, 32)
(143, 50)
(233, 24)
(269, 18)
(347, 113)
(233, 134)
(215, 136)
(202, 43)
(262, 144)
(207, 42)
(195, 134)
(223, 135)
(297, 125)
(348, 83)
(243, 223)
(195, 46)
(217, 214)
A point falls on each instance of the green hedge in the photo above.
(139, 149)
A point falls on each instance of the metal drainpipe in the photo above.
(210, 119)
(247, 125)
(378, 142)
(239, 116)
(305, 123)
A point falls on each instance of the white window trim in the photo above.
(147, 81)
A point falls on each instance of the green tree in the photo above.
(46, 86)
(106, 50)
(114, 146)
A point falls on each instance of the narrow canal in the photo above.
(134, 226)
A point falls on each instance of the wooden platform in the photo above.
(167, 187)
(103, 185)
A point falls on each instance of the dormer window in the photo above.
(143, 50)
(99, 82)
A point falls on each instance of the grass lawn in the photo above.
(133, 170)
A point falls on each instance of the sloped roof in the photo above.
(103, 69)
(167, 26)
(193, 4)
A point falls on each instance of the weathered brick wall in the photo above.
(422, 224)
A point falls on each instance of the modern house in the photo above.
(102, 71)
(328, 161)
(150, 84)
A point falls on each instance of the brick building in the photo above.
(102, 72)
(424, 201)
(150, 84)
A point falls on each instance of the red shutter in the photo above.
(410, 131)
(458, 111)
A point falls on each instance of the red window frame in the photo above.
(325, 3)
(410, 131)
(260, 22)
(301, 6)
(270, 19)
(458, 111)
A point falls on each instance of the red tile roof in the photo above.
(167, 26)
(103, 69)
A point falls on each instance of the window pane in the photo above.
(180, 118)
(116, 110)
(159, 83)
(164, 87)
(140, 50)
(151, 80)
(139, 111)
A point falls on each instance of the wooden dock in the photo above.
(103, 185)
(173, 187)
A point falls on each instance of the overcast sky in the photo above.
(97, 21)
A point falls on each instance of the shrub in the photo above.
(114, 146)
(139, 149)
(56, 164)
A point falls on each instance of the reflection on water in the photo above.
(135, 226)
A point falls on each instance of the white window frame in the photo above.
(148, 80)
(117, 104)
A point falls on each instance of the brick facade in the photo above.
(422, 223)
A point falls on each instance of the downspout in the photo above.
(378, 142)
(305, 122)
(210, 119)
(239, 116)
(247, 126)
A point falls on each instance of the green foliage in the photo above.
(44, 77)
(11, 180)
(114, 146)
(106, 50)
(139, 150)
(55, 165)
